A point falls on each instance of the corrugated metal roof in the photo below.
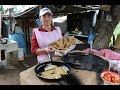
(26, 11)
(19, 10)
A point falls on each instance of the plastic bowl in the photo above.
(107, 82)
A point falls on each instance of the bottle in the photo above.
(76, 30)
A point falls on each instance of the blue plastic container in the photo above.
(19, 37)
(38, 22)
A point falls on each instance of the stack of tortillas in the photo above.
(64, 43)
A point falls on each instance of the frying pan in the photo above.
(40, 68)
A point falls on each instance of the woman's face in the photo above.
(46, 19)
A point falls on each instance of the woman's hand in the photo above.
(44, 50)
(49, 49)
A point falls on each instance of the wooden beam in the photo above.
(0, 22)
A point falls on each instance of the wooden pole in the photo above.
(0, 33)
(0, 22)
(10, 21)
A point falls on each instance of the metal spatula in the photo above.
(49, 56)
(90, 40)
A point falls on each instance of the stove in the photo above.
(85, 61)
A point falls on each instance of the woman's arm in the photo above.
(35, 49)
(34, 43)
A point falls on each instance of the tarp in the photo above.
(20, 39)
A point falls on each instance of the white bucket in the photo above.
(4, 63)
(20, 54)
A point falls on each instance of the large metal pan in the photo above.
(85, 61)
(40, 68)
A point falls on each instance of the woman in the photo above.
(44, 35)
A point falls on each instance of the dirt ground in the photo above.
(9, 75)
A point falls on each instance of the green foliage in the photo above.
(115, 33)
